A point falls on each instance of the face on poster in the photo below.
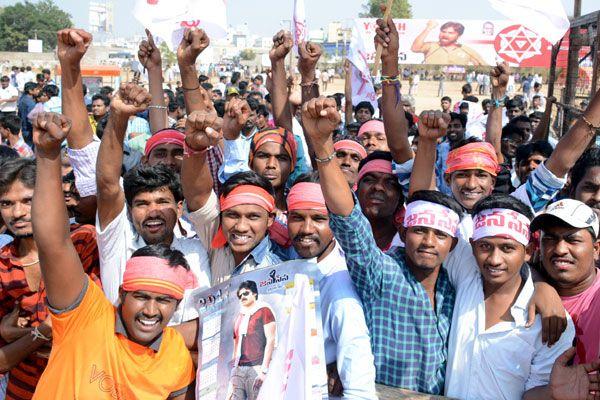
(461, 42)
(261, 336)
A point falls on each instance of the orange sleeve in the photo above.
(87, 317)
(188, 371)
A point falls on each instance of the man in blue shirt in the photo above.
(24, 107)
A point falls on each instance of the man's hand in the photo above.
(149, 54)
(499, 77)
(320, 118)
(308, 56)
(72, 45)
(9, 327)
(433, 125)
(129, 100)
(49, 131)
(282, 43)
(547, 303)
(193, 42)
(574, 382)
(386, 35)
(431, 24)
(258, 381)
(237, 112)
(200, 132)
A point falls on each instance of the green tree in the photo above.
(400, 9)
(247, 55)
(168, 57)
(29, 20)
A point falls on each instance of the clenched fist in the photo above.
(320, 118)
(201, 130)
(308, 57)
(433, 124)
(282, 43)
(49, 131)
(72, 45)
(237, 113)
(499, 76)
(193, 42)
(130, 100)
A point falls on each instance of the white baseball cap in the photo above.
(572, 212)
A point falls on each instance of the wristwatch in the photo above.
(497, 103)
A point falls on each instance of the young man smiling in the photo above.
(129, 345)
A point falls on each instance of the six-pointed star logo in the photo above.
(517, 43)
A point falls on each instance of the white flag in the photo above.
(547, 18)
(300, 31)
(167, 19)
(362, 85)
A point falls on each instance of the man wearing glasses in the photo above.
(254, 338)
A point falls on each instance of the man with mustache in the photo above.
(346, 337)
(145, 211)
(22, 292)
(349, 154)
(101, 351)
(585, 179)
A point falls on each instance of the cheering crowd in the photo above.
(455, 264)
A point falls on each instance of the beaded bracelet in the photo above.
(325, 160)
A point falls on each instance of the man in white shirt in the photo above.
(8, 96)
(346, 336)
(493, 353)
(144, 212)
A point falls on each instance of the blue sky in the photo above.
(264, 16)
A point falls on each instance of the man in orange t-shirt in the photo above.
(99, 351)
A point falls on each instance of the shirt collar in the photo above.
(120, 328)
(519, 308)
(258, 254)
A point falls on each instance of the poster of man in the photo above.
(446, 50)
(254, 338)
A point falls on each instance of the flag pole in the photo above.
(386, 16)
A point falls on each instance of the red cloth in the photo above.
(254, 341)
(478, 155)
(164, 136)
(306, 196)
(347, 144)
(378, 165)
(276, 135)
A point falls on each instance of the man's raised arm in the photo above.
(72, 45)
(573, 144)
(394, 119)
(282, 43)
(193, 42)
(499, 79)
(129, 100)
(149, 56)
(61, 268)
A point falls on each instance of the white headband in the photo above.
(500, 222)
(431, 215)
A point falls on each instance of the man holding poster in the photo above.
(446, 51)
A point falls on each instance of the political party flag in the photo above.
(362, 85)
(547, 18)
(167, 19)
(299, 28)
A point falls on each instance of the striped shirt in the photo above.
(409, 338)
(24, 377)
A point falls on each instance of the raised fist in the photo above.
(320, 118)
(129, 100)
(149, 54)
(201, 130)
(193, 42)
(49, 131)
(308, 56)
(72, 45)
(431, 24)
(282, 43)
(386, 35)
(499, 76)
(433, 124)
(237, 113)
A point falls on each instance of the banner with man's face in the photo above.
(461, 42)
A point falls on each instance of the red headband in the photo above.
(276, 135)
(478, 155)
(378, 165)
(156, 275)
(166, 136)
(243, 194)
(306, 196)
(351, 145)
(373, 125)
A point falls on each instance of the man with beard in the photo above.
(144, 212)
(346, 337)
(129, 345)
(585, 179)
(398, 290)
(349, 154)
(22, 292)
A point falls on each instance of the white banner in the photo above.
(167, 19)
(300, 30)
(362, 85)
(456, 42)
